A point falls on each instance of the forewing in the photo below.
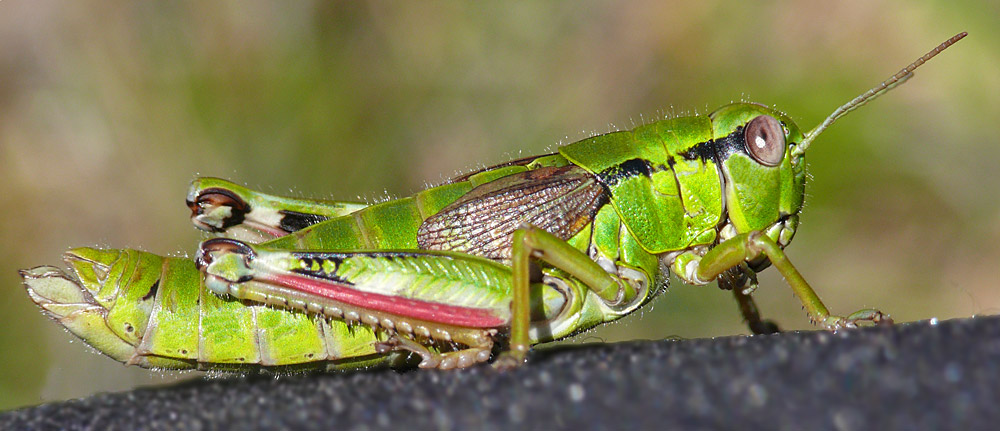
(561, 200)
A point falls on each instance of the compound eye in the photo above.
(765, 140)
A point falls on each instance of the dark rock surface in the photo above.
(917, 376)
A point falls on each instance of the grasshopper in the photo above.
(521, 253)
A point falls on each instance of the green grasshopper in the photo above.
(521, 253)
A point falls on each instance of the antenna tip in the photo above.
(949, 42)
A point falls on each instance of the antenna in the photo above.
(876, 91)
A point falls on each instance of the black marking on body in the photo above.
(218, 196)
(319, 273)
(717, 150)
(610, 177)
(236, 219)
(308, 259)
(703, 151)
(226, 245)
(338, 257)
(318, 259)
(152, 291)
(292, 221)
(730, 144)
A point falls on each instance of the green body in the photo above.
(664, 203)
(526, 252)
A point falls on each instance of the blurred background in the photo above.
(108, 109)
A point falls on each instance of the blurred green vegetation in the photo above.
(108, 109)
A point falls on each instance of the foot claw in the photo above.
(869, 316)
(508, 361)
(386, 346)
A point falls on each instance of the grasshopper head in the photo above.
(762, 158)
(764, 174)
